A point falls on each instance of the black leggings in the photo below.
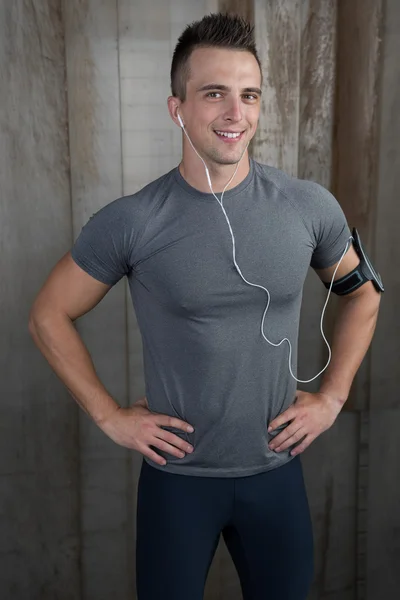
(264, 520)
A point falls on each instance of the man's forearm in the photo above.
(353, 332)
(62, 346)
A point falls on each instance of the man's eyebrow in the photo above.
(225, 88)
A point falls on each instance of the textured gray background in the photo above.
(83, 120)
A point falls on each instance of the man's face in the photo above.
(222, 96)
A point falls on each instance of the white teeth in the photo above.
(228, 135)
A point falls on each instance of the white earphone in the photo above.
(205, 166)
(220, 202)
(180, 120)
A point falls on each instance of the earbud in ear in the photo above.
(179, 119)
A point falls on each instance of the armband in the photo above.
(361, 274)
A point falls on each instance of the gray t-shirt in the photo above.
(205, 359)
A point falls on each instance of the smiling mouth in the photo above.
(229, 137)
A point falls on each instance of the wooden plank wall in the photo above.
(296, 41)
(39, 498)
(383, 501)
(355, 157)
(338, 146)
(354, 182)
(77, 490)
(330, 464)
(92, 64)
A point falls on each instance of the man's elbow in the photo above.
(43, 317)
(36, 320)
(367, 294)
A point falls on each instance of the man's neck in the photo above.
(195, 174)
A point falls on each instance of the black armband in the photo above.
(361, 274)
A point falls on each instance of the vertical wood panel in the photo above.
(356, 134)
(39, 540)
(244, 8)
(385, 352)
(317, 89)
(96, 176)
(211, 6)
(382, 545)
(330, 464)
(277, 31)
(330, 468)
(317, 86)
(310, 158)
(355, 184)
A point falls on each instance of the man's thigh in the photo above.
(179, 520)
(270, 538)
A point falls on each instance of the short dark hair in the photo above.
(215, 30)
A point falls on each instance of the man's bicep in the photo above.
(69, 290)
(350, 261)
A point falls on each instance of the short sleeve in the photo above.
(102, 248)
(329, 228)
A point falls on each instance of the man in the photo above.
(207, 365)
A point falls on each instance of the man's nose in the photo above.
(234, 110)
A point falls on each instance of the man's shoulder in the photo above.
(308, 197)
(160, 185)
(289, 185)
(138, 204)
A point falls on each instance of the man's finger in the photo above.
(286, 434)
(299, 435)
(301, 447)
(286, 416)
(174, 439)
(146, 451)
(167, 421)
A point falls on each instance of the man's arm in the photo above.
(312, 414)
(67, 294)
(353, 331)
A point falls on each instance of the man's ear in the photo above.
(173, 107)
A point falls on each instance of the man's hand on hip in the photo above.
(308, 417)
(138, 428)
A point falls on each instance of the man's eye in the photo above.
(251, 96)
(213, 94)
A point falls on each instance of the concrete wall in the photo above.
(83, 120)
